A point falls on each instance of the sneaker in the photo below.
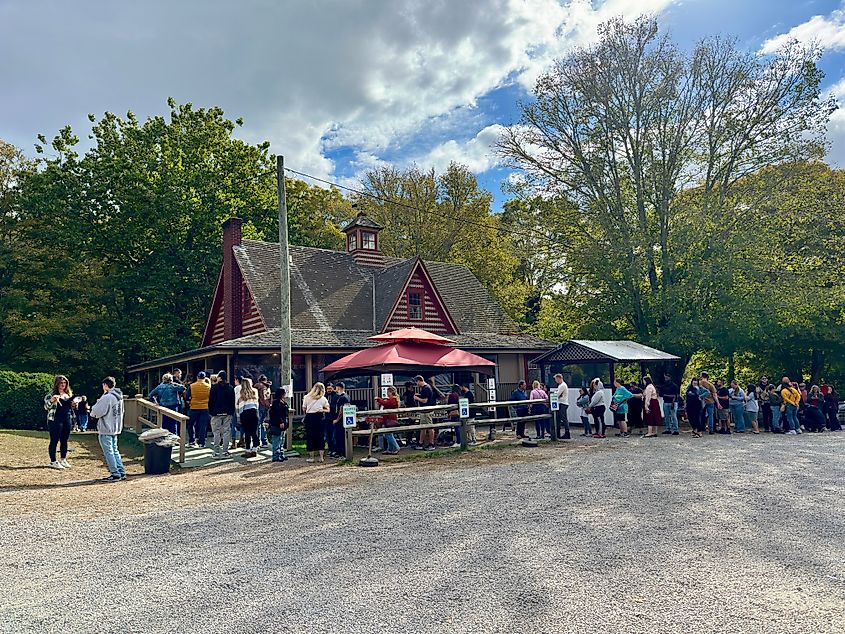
(309, 460)
(56, 465)
(111, 478)
(792, 432)
(191, 445)
(430, 447)
(675, 433)
(666, 432)
(454, 445)
(417, 447)
(625, 434)
(64, 463)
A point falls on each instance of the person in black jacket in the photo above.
(221, 408)
(278, 416)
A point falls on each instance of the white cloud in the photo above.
(309, 76)
(836, 127)
(825, 31)
(477, 153)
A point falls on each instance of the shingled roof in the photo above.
(329, 291)
(321, 339)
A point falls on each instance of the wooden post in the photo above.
(285, 361)
(182, 433)
(464, 442)
(349, 443)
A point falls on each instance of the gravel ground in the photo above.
(664, 535)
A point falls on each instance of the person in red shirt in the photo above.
(390, 420)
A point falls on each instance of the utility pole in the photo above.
(285, 364)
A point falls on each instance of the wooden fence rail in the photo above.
(149, 414)
(353, 432)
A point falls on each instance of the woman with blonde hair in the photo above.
(651, 407)
(247, 406)
(58, 405)
(315, 405)
(541, 425)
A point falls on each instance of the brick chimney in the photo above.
(362, 241)
(232, 280)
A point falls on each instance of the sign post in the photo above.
(349, 421)
(463, 409)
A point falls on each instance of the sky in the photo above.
(341, 86)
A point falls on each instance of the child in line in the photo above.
(278, 417)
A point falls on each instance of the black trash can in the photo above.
(156, 459)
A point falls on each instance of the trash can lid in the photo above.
(152, 435)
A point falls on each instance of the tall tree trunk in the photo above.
(731, 367)
(816, 365)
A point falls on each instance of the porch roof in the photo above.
(577, 351)
(343, 341)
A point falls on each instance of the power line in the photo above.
(399, 203)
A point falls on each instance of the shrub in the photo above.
(22, 399)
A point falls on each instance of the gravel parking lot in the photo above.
(739, 534)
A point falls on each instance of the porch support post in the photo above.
(309, 372)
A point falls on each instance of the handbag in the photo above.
(614, 407)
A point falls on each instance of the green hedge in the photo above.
(22, 399)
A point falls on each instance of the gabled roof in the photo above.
(329, 291)
(389, 283)
(362, 220)
(585, 351)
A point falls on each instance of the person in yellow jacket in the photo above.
(197, 397)
(791, 399)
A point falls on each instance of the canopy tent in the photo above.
(583, 351)
(411, 334)
(409, 356)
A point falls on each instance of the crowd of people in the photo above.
(712, 407)
(250, 415)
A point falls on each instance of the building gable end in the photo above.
(419, 304)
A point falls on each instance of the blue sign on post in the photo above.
(463, 405)
(553, 401)
(349, 416)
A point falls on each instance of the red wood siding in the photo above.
(252, 318)
(434, 320)
(251, 324)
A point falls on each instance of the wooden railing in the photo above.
(353, 432)
(145, 413)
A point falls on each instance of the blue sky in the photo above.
(340, 86)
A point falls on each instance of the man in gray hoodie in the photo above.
(108, 411)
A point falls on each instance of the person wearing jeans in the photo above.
(197, 397)
(791, 399)
(670, 393)
(221, 407)
(108, 411)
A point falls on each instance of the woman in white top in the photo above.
(247, 406)
(752, 409)
(651, 407)
(315, 406)
(597, 406)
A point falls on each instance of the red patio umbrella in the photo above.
(411, 356)
(411, 334)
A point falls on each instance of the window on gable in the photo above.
(415, 306)
(368, 241)
(353, 241)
